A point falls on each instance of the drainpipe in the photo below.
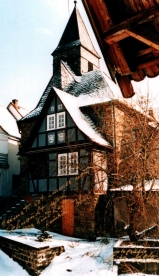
(113, 124)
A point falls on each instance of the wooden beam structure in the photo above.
(128, 35)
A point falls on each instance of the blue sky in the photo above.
(30, 31)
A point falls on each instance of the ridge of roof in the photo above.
(94, 83)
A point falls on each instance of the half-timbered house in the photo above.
(73, 142)
(61, 148)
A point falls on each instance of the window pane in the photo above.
(51, 122)
(62, 164)
(73, 163)
(61, 119)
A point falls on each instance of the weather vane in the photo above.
(75, 3)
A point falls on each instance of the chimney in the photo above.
(15, 103)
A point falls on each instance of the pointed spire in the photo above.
(75, 47)
(76, 33)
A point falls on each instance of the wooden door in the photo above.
(68, 217)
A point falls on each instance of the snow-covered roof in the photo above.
(93, 82)
(96, 83)
(148, 185)
(8, 123)
(36, 112)
(72, 104)
(18, 112)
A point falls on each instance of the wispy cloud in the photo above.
(45, 31)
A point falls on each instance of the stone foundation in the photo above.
(32, 259)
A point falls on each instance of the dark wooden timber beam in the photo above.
(125, 86)
(145, 52)
(119, 60)
(144, 35)
(148, 64)
(100, 11)
(140, 18)
(100, 22)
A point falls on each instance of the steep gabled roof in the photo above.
(84, 123)
(17, 111)
(36, 112)
(75, 34)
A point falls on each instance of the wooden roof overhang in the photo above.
(128, 35)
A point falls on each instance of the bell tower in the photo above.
(75, 47)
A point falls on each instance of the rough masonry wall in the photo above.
(89, 212)
(145, 217)
(33, 259)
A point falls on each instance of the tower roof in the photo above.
(75, 34)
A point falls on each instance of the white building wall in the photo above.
(8, 146)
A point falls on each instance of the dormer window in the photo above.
(56, 121)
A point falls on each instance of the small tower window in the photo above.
(90, 66)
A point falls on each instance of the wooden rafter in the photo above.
(101, 12)
(144, 35)
(115, 41)
(148, 64)
(119, 60)
(140, 18)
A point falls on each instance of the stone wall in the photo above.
(145, 216)
(33, 259)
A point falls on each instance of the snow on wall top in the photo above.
(148, 185)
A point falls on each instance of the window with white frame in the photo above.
(61, 120)
(68, 163)
(51, 122)
(56, 121)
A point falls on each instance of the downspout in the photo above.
(113, 124)
(114, 135)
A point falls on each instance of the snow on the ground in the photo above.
(81, 257)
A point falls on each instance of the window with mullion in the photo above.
(61, 120)
(56, 121)
(68, 164)
(73, 163)
(62, 164)
(51, 122)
